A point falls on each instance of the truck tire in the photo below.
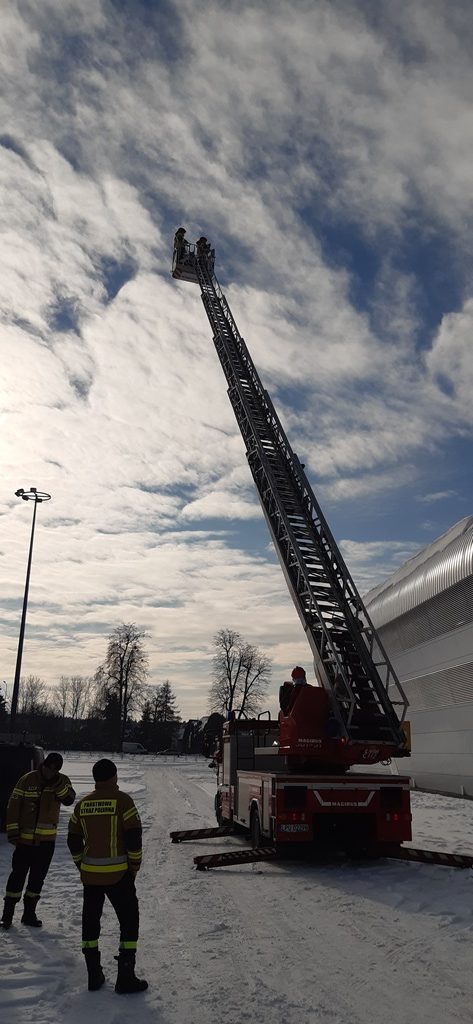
(255, 829)
(218, 809)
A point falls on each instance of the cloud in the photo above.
(450, 361)
(371, 562)
(317, 147)
(429, 499)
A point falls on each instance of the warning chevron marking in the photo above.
(187, 835)
(220, 860)
(453, 860)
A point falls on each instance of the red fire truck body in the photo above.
(312, 801)
(347, 812)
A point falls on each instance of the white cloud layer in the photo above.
(267, 128)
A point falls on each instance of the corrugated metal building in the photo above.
(424, 616)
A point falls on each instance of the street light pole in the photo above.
(37, 497)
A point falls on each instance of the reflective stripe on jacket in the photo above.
(34, 806)
(104, 835)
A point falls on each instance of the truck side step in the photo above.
(187, 835)
(221, 860)
(452, 860)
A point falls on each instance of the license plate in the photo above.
(293, 828)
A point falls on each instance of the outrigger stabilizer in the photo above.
(225, 858)
(188, 835)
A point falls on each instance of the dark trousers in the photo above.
(124, 901)
(32, 859)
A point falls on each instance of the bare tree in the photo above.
(81, 691)
(240, 675)
(254, 679)
(98, 691)
(33, 699)
(226, 668)
(123, 673)
(60, 696)
(70, 698)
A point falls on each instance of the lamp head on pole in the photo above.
(32, 495)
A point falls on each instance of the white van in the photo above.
(133, 748)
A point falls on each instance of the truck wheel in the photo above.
(255, 829)
(218, 809)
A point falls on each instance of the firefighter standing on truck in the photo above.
(32, 818)
(105, 842)
(180, 242)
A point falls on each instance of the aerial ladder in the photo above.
(365, 703)
(358, 709)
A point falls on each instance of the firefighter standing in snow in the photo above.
(32, 817)
(105, 842)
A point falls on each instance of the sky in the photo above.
(326, 150)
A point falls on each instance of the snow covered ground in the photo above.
(269, 943)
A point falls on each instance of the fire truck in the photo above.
(305, 778)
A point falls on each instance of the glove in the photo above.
(13, 837)
(63, 790)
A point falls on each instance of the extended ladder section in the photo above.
(351, 664)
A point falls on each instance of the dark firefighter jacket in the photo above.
(105, 835)
(33, 808)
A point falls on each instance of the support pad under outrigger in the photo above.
(448, 860)
(187, 835)
(221, 860)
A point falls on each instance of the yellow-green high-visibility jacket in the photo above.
(33, 808)
(104, 835)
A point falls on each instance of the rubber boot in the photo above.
(127, 981)
(94, 970)
(29, 913)
(9, 905)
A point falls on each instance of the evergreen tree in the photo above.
(145, 728)
(165, 704)
(160, 717)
